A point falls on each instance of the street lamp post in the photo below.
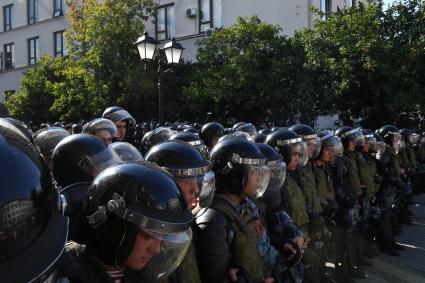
(173, 50)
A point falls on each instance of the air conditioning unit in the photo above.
(191, 12)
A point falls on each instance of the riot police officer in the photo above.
(136, 226)
(31, 223)
(121, 118)
(102, 128)
(196, 179)
(226, 237)
(349, 196)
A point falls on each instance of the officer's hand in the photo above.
(300, 242)
(402, 171)
(269, 280)
(289, 249)
(233, 274)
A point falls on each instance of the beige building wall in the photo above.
(290, 15)
(44, 28)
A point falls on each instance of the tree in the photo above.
(245, 73)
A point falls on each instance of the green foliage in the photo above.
(244, 72)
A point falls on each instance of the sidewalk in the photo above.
(410, 266)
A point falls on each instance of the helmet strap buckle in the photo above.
(98, 218)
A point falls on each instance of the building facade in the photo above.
(191, 20)
(28, 28)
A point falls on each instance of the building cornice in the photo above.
(32, 25)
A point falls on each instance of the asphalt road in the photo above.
(410, 266)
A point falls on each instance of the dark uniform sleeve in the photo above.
(213, 239)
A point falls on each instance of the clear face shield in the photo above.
(94, 164)
(257, 180)
(313, 146)
(257, 177)
(201, 147)
(413, 138)
(121, 115)
(380, 149)
(126, 151)
(277, 175)
(358, 137)
(300, 149)
(170, 250)
(422, 140)
(396, 140)
(370, 143)
(198, 189)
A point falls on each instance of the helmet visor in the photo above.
(371, 140)
(257, 180)
(358, 137)
(94, 164)
(300, 149)
(199, 191)
(277, 175)
(380, 149)
(121, 115)
(126, 151)
(170, 249)
(313, 147)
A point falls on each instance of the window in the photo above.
(352, 3)
(9, 56)
(7, 17)
(59, 8)
(209, 15)
(326, 7)
(33, 51)
(32, 11)
(60, 45)
(165, 22)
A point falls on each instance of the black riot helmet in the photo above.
(126, 151)
(31, 223)
(47, 140)
(210, 133)
(265, 131)
(237, 125)
(156, 136)
(191, 130)
(192, 171)
(259, 138)
(131, 199)
(233, 161)
(310, 137)
(79, 158)
(21, 127)
(409, 136)
(286, 141)
(117, 114)
(76, 129)
(192, 139)
(102, 128)
(349, 134)
(389, 133)
(246, 128)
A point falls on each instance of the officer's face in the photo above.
(105, 136)
(327, 154)
(310, 148)
(145, 247)
(122, 128)
(366, 147)
(292, 166)
(251, 184)
(190, 189)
